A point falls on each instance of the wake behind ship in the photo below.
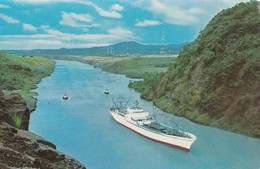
(140, 121)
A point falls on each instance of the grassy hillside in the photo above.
(128, 58)
(133, 66)
(21, 74)
(216, 80)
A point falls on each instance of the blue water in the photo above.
(83, 128)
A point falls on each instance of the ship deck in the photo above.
(164, 129)
(153, 125)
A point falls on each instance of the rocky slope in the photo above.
(216, 80)
(22, 149)
(21, 74)
(14, 111)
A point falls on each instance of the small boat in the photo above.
(140, 121)
(65, 97)
(106, 91)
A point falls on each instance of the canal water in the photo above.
(83, 128)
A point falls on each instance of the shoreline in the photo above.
(83, 121)
(183, 116)
(18, 146)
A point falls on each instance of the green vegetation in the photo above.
(17, 120)
(20, 74)
(145, 86)
(128, 58)
(216, 79)
(137, 66)
(134, 66)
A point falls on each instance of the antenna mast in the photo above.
(163, 52)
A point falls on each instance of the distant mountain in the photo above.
(119, 49)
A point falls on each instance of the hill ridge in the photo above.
(216, 80)
(118, 49)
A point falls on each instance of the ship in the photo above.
(106, 91)
(65, 97)
(141, 122)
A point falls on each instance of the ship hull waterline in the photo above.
(173, 141)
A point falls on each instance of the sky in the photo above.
(54, 24)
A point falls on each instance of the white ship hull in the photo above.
(175, 141)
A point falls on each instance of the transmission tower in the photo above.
(112, 50)
(162, 52)
(127, 50)
(107, 50)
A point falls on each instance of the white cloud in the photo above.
(102, 12)
(117, 7)
(147, 23)
(233, 2)
(81, 17)
(119, 31)
(40, 1)
(44, 44)
(51, 32)
(53, 39)
(4, 6)
(194, 11)
(85, 29)
(110, 14)
(75, 20)
(180, 12)
(29, 27)
(173, 14)
(9, 19)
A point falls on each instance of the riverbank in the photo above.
(133, 66)
(137, 66)
(99, 142)
(21, 74)
(20, 148)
